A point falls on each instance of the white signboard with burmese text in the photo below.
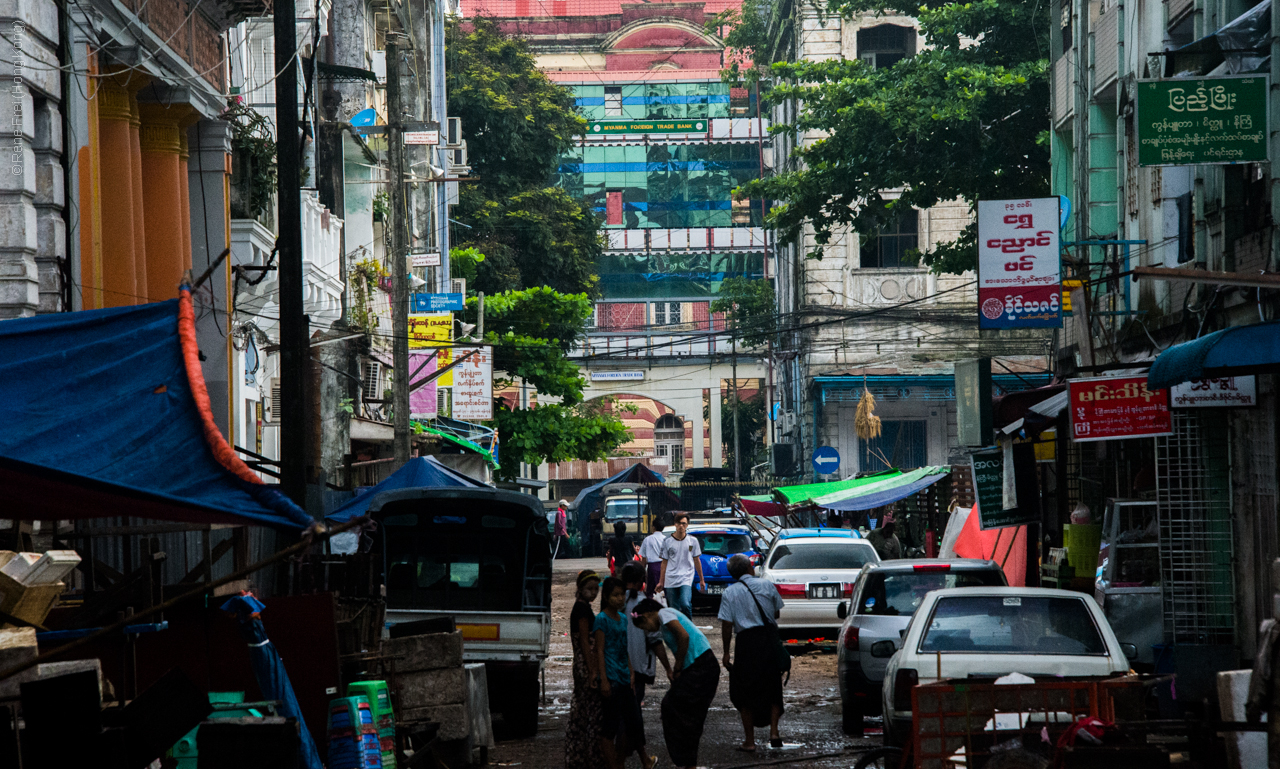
(1019, 272)
(1222, 392)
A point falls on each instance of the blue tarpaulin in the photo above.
(268, 670)
(589, 498)
(421, 472)
(100, 418)
(1234, 351)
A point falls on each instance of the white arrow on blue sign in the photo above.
(826, 460)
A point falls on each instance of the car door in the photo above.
(876, 621)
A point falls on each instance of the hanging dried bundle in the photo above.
(865, 423)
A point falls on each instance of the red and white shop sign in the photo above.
(1019, 275)
(1112, 408)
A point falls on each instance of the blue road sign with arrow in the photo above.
(826, 460)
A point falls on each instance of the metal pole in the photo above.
(294, 351)
(480, 317)
(403, 434)
(737, 443)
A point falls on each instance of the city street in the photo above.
(810, 727)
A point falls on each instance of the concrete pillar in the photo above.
(139, 207)
(209, 167)
(717, 446)
(162, 199)
(119, 274)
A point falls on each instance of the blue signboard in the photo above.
(435, 302)
(826, 460)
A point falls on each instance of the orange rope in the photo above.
(222, 451)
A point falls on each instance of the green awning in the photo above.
(885, 490)
(464, 443)
(758, 498)
(791, 495)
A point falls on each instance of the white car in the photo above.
(993, 631)
(814, 570)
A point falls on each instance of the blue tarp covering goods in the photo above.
(102, 417)
(589, 498)
(421, 472)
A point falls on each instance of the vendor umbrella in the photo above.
(269, 670)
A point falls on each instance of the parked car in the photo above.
(718, 543)
(885, 597)
(993, 631)
(814, 570)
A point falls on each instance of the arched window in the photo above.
(668, 440)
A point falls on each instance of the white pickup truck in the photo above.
(480, 556)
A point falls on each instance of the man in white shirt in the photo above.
(651, 555)
(681, 560)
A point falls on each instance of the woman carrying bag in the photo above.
(750, 606)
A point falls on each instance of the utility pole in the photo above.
(480, 317)
(737, 443)
(403, 434)
(295, 352)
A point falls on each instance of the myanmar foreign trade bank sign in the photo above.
(1019, 268)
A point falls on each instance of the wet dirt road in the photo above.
(810, 727)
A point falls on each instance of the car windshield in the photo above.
(623, 509)
(901, 594)
(721, 543)
(1005, 624)
(821, 555)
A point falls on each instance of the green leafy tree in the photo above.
(963, 119)
(517, 125)
(749, 306)
(532, 332)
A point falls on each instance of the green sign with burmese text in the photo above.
(1202, 120)
(607, 127)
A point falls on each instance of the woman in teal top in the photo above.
(694, 679)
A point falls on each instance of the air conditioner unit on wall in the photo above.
(271, 405)
(458, 286)
(453, 132)
(378, 65)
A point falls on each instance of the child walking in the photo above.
(693, 680)
(641, 646)
(622, 728)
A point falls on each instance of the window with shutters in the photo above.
(370, 380)
(668, 439)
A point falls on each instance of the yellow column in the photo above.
(139, 215)
(184, 181)
(119, 276)
(162, 197)
(88, 161)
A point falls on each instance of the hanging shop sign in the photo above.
(1210, 393)
(425, 259)
(617, 376)
(423, 401)
(421, 137)
(473, 384)
(1112, 408)
(435, 302)
(1205, 120)
(607, 127)
(1019, 275)
(989, 490)
(433, 330)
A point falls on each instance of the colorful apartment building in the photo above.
(674, 232)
